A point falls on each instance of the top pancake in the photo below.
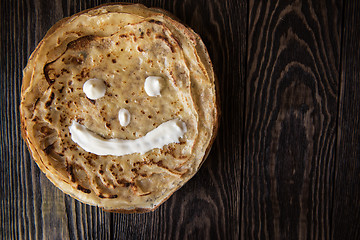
(122, 45)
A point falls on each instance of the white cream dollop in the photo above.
(94, 88)
(152, 85)
(124, 117)
(166, 133)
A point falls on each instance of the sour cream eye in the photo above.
(152, 86)
(124, 117)
(94, 88)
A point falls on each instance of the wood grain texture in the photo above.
(290, 122)
(346, 213)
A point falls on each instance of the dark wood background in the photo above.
(286, 162)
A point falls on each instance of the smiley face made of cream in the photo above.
(119, 115)
(164, 134)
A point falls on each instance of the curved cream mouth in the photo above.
(166, 133)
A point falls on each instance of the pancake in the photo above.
(118, 106)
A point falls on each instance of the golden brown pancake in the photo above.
(79, 142)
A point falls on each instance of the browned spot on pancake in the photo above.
(35, 119)
(123, 35)
(167, 42)
(47, 69)
(177, 40)
(80, 120)
(134, 36)
(63, 118)
(145, 194)
(61, 89)
(47, 117)
(170, 150)
(107, 196)
(84, 73)
(64, 70)
(89, 161)
(46, 130)
(92, 101)
(51, 98)
(70, 171)
(148, 32)
(49, 148)
(139, 163)
(103, 44)
(81, 43)
(123, 182)
(101, 171)
(114, 60)
(134, 187)
(85, 190)
(172, 75)
(160, 164)
(36, 102)
(155, 21)
(74, 60)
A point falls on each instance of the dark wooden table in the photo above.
(286, 162)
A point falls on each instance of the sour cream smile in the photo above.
(166, 133)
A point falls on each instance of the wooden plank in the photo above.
(32, 207)
(208, 206)
(18, 216)
(346, 213)
(291, 114)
